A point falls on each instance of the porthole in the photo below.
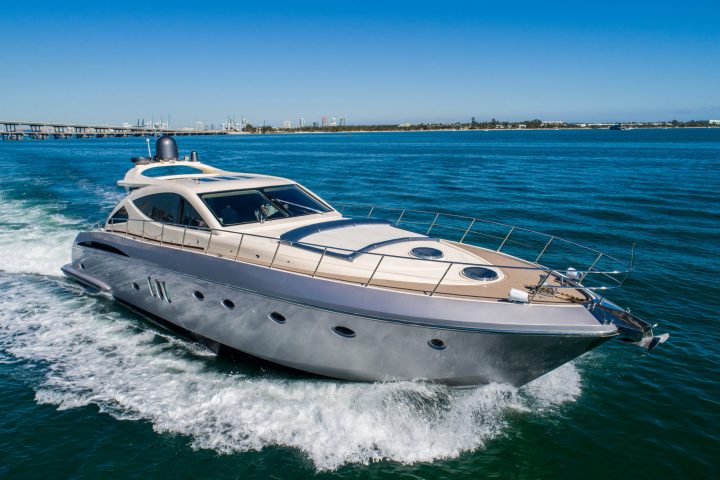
(228, 304)
(437, 344)
(480, 273)
(198, 295)
(276, 317)
(135, 286)
(427, 253)
(81, 266)
(343, 331)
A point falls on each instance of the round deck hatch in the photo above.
(426, 253)
(480, 273)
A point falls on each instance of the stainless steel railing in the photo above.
(181, 236)
(434, 220)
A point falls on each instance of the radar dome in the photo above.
(166, 149)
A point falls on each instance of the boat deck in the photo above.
(518, 274)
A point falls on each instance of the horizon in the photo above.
(371, 64)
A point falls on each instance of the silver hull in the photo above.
(293, 320)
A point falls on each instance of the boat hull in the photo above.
(332, 329)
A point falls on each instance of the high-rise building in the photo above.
(324, 121)
(287, 124)
(301, 122)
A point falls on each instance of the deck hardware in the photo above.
(228, 304)
(544, 249)
(198, 295)
(432, 224)
(539, 286)
(506, 238)
(135, 286)
(242, 237)
(468, 230)
(437, 344)
(400, 218)
(275, 254)
(207, 249)
(441, 279)
(317, 267)
(376, 269)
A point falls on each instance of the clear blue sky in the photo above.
(371, 62)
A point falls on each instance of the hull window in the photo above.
(102, 246)
(344, 331)
(198, 295)
(437, 344)
(228, 304)
(135, 286)
(276, 317)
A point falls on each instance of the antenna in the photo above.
(148, 145)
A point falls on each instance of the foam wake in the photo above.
(34, 238)
(92, 353)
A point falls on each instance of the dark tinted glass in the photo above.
(119, 217)
(189, 216)
(294, 200)
(244, 206)
(162, 207)
(171, 170)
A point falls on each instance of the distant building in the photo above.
(199, 126)
(287, 124)
(301, 122)
(553, 122)
(324, 121)
(714, 122)
(315, 124)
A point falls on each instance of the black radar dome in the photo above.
(166, 149)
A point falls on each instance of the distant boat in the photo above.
(617, 126)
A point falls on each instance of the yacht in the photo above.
(262, 265)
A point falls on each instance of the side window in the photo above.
(161, 207)
(120, 216)
(189, 216)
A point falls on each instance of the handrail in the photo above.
(566, 282)
(437, 215)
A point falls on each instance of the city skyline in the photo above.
(374, 64)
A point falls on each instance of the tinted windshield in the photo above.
(258, 205)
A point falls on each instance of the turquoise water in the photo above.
(89, 389)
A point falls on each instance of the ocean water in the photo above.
(89, 389)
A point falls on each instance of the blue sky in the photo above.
(371, 62)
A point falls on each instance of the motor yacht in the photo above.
(262, 265)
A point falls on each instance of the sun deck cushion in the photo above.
(348, 238)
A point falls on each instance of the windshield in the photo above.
(261, 204)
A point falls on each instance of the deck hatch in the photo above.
(480, 273)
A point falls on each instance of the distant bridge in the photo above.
(16, 130)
